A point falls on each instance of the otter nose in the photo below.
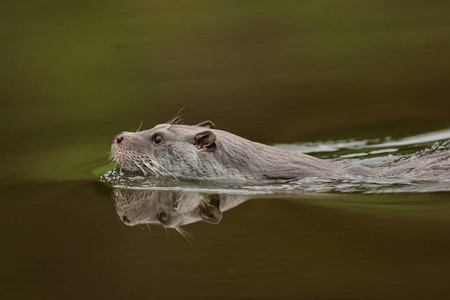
(118, 139)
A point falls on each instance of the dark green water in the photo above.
(73, 75)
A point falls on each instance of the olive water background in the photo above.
(74, 74)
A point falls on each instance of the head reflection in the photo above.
(172, 209)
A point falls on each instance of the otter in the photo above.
(202, 152)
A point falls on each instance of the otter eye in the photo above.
(163, 217)
(157, 139)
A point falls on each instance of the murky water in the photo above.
(358, 83)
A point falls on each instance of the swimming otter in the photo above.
(201, 152)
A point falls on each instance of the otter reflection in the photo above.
(172, 209)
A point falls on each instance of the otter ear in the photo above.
(210, 212)
(205, 140)
(207, 124)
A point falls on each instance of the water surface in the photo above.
(355, 82)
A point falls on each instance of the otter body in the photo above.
(201, 152)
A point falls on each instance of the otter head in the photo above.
(165, 150)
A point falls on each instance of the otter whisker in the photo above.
(170, 173)
(177, 154)
(112, 158)
(164, 169)
(171, 120)
(175, 121)
(142, 122)
(184, 234)
(142, 169)
(176, 208)
(154, 170)
(176, 118)
(148, 166)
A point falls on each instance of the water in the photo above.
(355, 82)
